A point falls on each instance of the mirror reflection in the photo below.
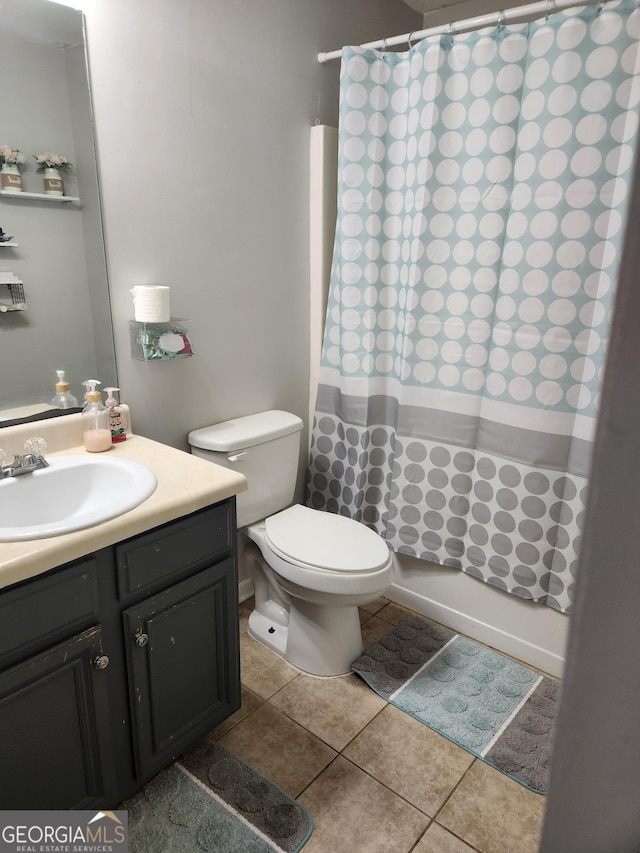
(54, 315)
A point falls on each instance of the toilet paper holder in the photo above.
(160, 341)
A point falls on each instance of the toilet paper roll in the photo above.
(151, 303)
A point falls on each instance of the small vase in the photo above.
(10, 178)
(53, 184)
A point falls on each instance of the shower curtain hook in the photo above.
(501, 19)
(409, 39)
(550, 5)
(384, 48)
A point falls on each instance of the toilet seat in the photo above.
(324, 542)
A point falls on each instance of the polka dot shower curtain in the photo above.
(483, 187)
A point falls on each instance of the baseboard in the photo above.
(509, 644)
(245, 589)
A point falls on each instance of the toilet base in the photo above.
(323, 640)
(319, 640)
(268, 632)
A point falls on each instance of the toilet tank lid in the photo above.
(244, 432)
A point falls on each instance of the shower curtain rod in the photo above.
(468, 24)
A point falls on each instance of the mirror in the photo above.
(57, 250)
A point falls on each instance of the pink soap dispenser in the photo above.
(116, 421)
(95, 418)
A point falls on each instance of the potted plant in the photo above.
(10, 161)
(51, 165)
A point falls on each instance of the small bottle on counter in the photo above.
(95, 417)
(116, 421)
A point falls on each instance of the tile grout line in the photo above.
(318, 774)
(357, 734)
(382, 785)
(431, 819)
(450, 795)
(420, 837)
(295, 722)
(452, 834)
(237, 723)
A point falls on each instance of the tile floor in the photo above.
(374, 779)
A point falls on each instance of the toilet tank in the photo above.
(265, 448)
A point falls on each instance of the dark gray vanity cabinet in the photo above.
(113, 665)
(55, 740)
(177, 667)
(55, 745)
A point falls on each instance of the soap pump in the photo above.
(95, 417)
(116, 424)
(63, 399)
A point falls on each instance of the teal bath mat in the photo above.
(210, 801)
(496, 709)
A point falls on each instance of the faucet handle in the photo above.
(37, 446)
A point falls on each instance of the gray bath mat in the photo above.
(213, 802)
(495, 708)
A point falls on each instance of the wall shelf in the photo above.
(9, 245)
(12, 298)
(40, 196)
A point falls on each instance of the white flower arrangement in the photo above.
(11, 156)
(49, 160)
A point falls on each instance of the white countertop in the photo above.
(185, 484)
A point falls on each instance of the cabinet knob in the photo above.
(140, 638)
(101, 662)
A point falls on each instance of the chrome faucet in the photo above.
(25, 463)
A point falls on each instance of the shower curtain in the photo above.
(483, 183)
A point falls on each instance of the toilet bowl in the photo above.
(325, 566)
(311, 570)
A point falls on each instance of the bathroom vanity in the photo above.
(116, 660)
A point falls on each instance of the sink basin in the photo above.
(74, 492)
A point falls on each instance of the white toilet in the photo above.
(311, 569)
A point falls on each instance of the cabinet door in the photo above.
(182, 650)
(55, 746)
